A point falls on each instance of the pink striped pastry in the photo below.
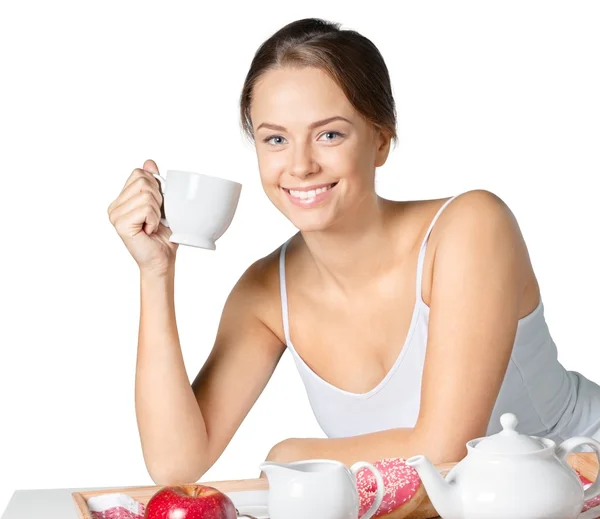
(590, 503)
(403, 489)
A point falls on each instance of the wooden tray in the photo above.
(586, 463)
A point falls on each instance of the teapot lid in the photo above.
(509, 441)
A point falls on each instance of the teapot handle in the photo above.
(568, 445)
(380, 486)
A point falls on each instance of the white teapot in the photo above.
(509, 475)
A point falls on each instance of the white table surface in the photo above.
(44, 503)
(58, 503)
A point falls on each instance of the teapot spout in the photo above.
(443, 496)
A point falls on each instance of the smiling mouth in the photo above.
(310, 195)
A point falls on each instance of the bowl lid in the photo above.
(509, 441)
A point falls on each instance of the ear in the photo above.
(383, 140)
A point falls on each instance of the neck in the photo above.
(351, 254)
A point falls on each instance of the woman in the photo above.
(414, 324)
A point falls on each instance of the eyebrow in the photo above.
(312, 126)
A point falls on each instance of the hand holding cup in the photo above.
(154, 214)
(136, 215)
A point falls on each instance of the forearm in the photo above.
(171, 427)
(391, 443)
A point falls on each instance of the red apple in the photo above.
(190, 502)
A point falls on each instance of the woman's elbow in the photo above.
(170, 476)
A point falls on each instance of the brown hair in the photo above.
(349, 58)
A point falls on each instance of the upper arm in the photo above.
(244, 356)
(480, 270)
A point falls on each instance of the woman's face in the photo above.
(316, 154)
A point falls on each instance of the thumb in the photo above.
(150, 166)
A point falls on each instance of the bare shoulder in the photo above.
(258, 289)
(260, 275)
(478, 224)
(475, 210)
(475, 214)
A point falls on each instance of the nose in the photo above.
(302, 161)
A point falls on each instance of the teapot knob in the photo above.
(509, 421)
(508, 440)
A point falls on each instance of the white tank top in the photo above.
(548, 400)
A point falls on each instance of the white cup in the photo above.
(198, 208)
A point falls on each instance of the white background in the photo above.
(496, 95)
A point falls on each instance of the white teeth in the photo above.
(309, 196)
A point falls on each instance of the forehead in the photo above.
(305, 93)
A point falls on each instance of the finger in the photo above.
(141, 185)
(143, 199)
(136, 174)
(139, 173)
(132, 222)
(150, 165)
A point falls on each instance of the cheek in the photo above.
(350, 163)
(271, 168)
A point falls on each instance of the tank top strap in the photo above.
(423, 249)
(283, 291)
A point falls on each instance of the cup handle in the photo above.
(568, 445)
(380, 486)
(163, 184)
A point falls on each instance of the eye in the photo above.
(278, 139)
(271, 137)
(338, 134)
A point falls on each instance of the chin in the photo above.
(311, 226)
(323, 221)
(310, 220)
